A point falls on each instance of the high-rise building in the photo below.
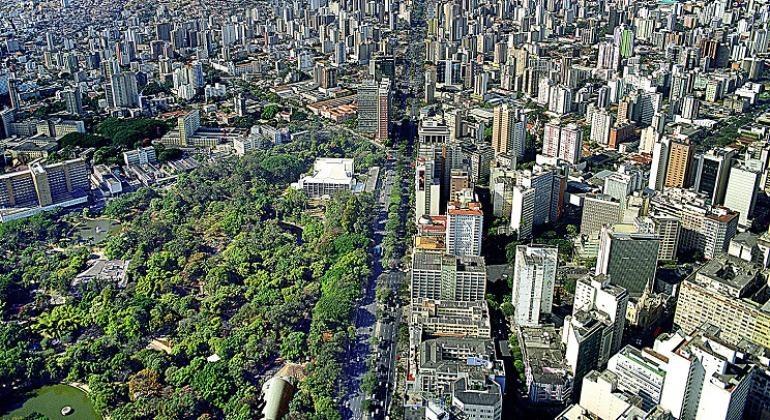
(73, 101)
(427, 188)
(598, 294)
(667, 229)
(704, 228)
(432, 132)
(125, 92)
(534, 277)
(464, 229)
(563, 142)
(640, 372)
(24, 193)
(599, 210)
(728, 292)
(629, 259)
(711, 172)
(741, 193)
(601, 123)
(679, 159)
(624, 41)
(374, 103)
(509, 134)
(13, 92)
(440, 276)
(522, 211)
(188, 125)
(659, 165)
(706, 377)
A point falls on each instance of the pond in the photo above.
(95, 230)
(49, 401)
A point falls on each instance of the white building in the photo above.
(534, 276)
(741, 195)
(523, 211)
(595, 293)
(464, 229)
(640, 372)
(141, 156)
(329, 175)
(427, 189)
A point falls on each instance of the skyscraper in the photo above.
(679, 158)
(599, 210)
(523, 211)
(436, 275)
(711, 172)
(741, 195)
(534, 276)
(629, 259)
(563, 142)
(13, 92)
(427, 188)
(73, 101)
(125, 92)
(464, 229)
(509, 134)
(597, 293)
(374, 108)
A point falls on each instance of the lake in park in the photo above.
(49, 401)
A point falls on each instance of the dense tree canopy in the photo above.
(224, 263)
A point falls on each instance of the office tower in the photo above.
(125, 92)
(431, 131)
(659, 165)
(374, 108)
(509, 131)
(463, 229)
(706, 229)
(712, 170)
(583, 336)
(619, 187)
(563, 142)
(188, 125)
(640, 372)
(597, 294)
(678, 168)
(7, 117)
(73, 101)
(728, 292)
(599, 210)
(13, 92)
(534, 276)
(667, 229)
(549, 193)
(427, 188)
(629, 259)
(440, 276)
(647, 105)
(741, 195)
(718, 228)
(239, 104)
(523, 211)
